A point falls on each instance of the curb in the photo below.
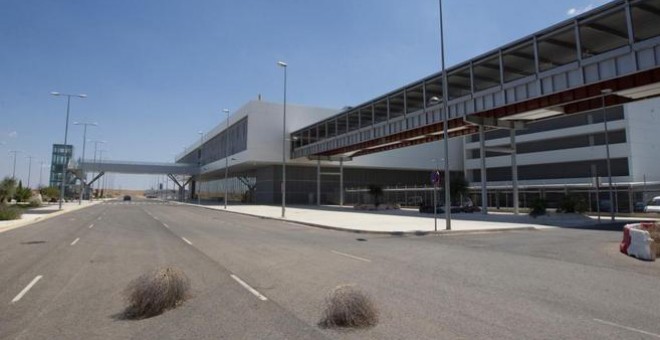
(373, 232)
(49, 216)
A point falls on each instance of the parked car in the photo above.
(639, 207)
(127, 198)
(428, 209)
(653, 205)
(440, 209)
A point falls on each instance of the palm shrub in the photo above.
(22, 194)
(538, 206)
(7, 189)
(375, 191)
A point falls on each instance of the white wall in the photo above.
(644, 139)
(418, 157)
(265, 127)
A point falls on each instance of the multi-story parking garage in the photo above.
(606, 59)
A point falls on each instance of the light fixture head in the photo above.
(225, 110)
(281, 63)
(54, 93)
(606, 91)
(434, 100)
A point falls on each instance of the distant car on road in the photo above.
(653, 205)
(127, 198)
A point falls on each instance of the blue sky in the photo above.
(156, 71)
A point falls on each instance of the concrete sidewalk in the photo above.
(49, 210)
(392, 221)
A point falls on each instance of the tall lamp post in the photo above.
(445, 119)
(605, 93)
(29, 169)
(41, 172)
(83, 186)
(226, 111)
(283, 188)
(66, 133)
(15, 152)
(199, 185)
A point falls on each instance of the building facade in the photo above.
(568, 154)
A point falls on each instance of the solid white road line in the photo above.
(91, 226)
(75, 241)
(627, 328)
(250, 289)
(166, 226)
(26, 289)
(185, 239)
(350, 256)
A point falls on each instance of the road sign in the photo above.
(435, 177)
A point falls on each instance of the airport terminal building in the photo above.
(542, 116)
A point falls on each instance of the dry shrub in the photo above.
(348, 307)
(153, 293)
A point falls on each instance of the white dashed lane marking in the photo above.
(350, 256)
(26, 289)
(250, 289)
(627, 328)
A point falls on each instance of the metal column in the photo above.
(484, 190)
(318, 182)
(514, 173)
(341, 182)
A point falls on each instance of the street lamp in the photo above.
(226, 111)
(283, 188)
(82, 170)
(66, 133)
(29, 169)
(605, 93)
(41, 172)
(445, 118)
(435, 101)
(15, 152)
(199, 185)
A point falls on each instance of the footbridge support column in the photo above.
(182, 187)
(494, 123)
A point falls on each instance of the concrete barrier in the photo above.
(641, 240)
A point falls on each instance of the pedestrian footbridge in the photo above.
(180, 173)
(605, 57)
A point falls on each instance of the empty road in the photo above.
(254, 278)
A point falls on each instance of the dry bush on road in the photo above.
(153, 293)
(348, 307)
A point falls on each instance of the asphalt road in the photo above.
(559, 283)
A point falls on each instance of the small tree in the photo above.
(375, 191)
(7, 189)
(539, 207)
(458, 186)
(50, 193)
